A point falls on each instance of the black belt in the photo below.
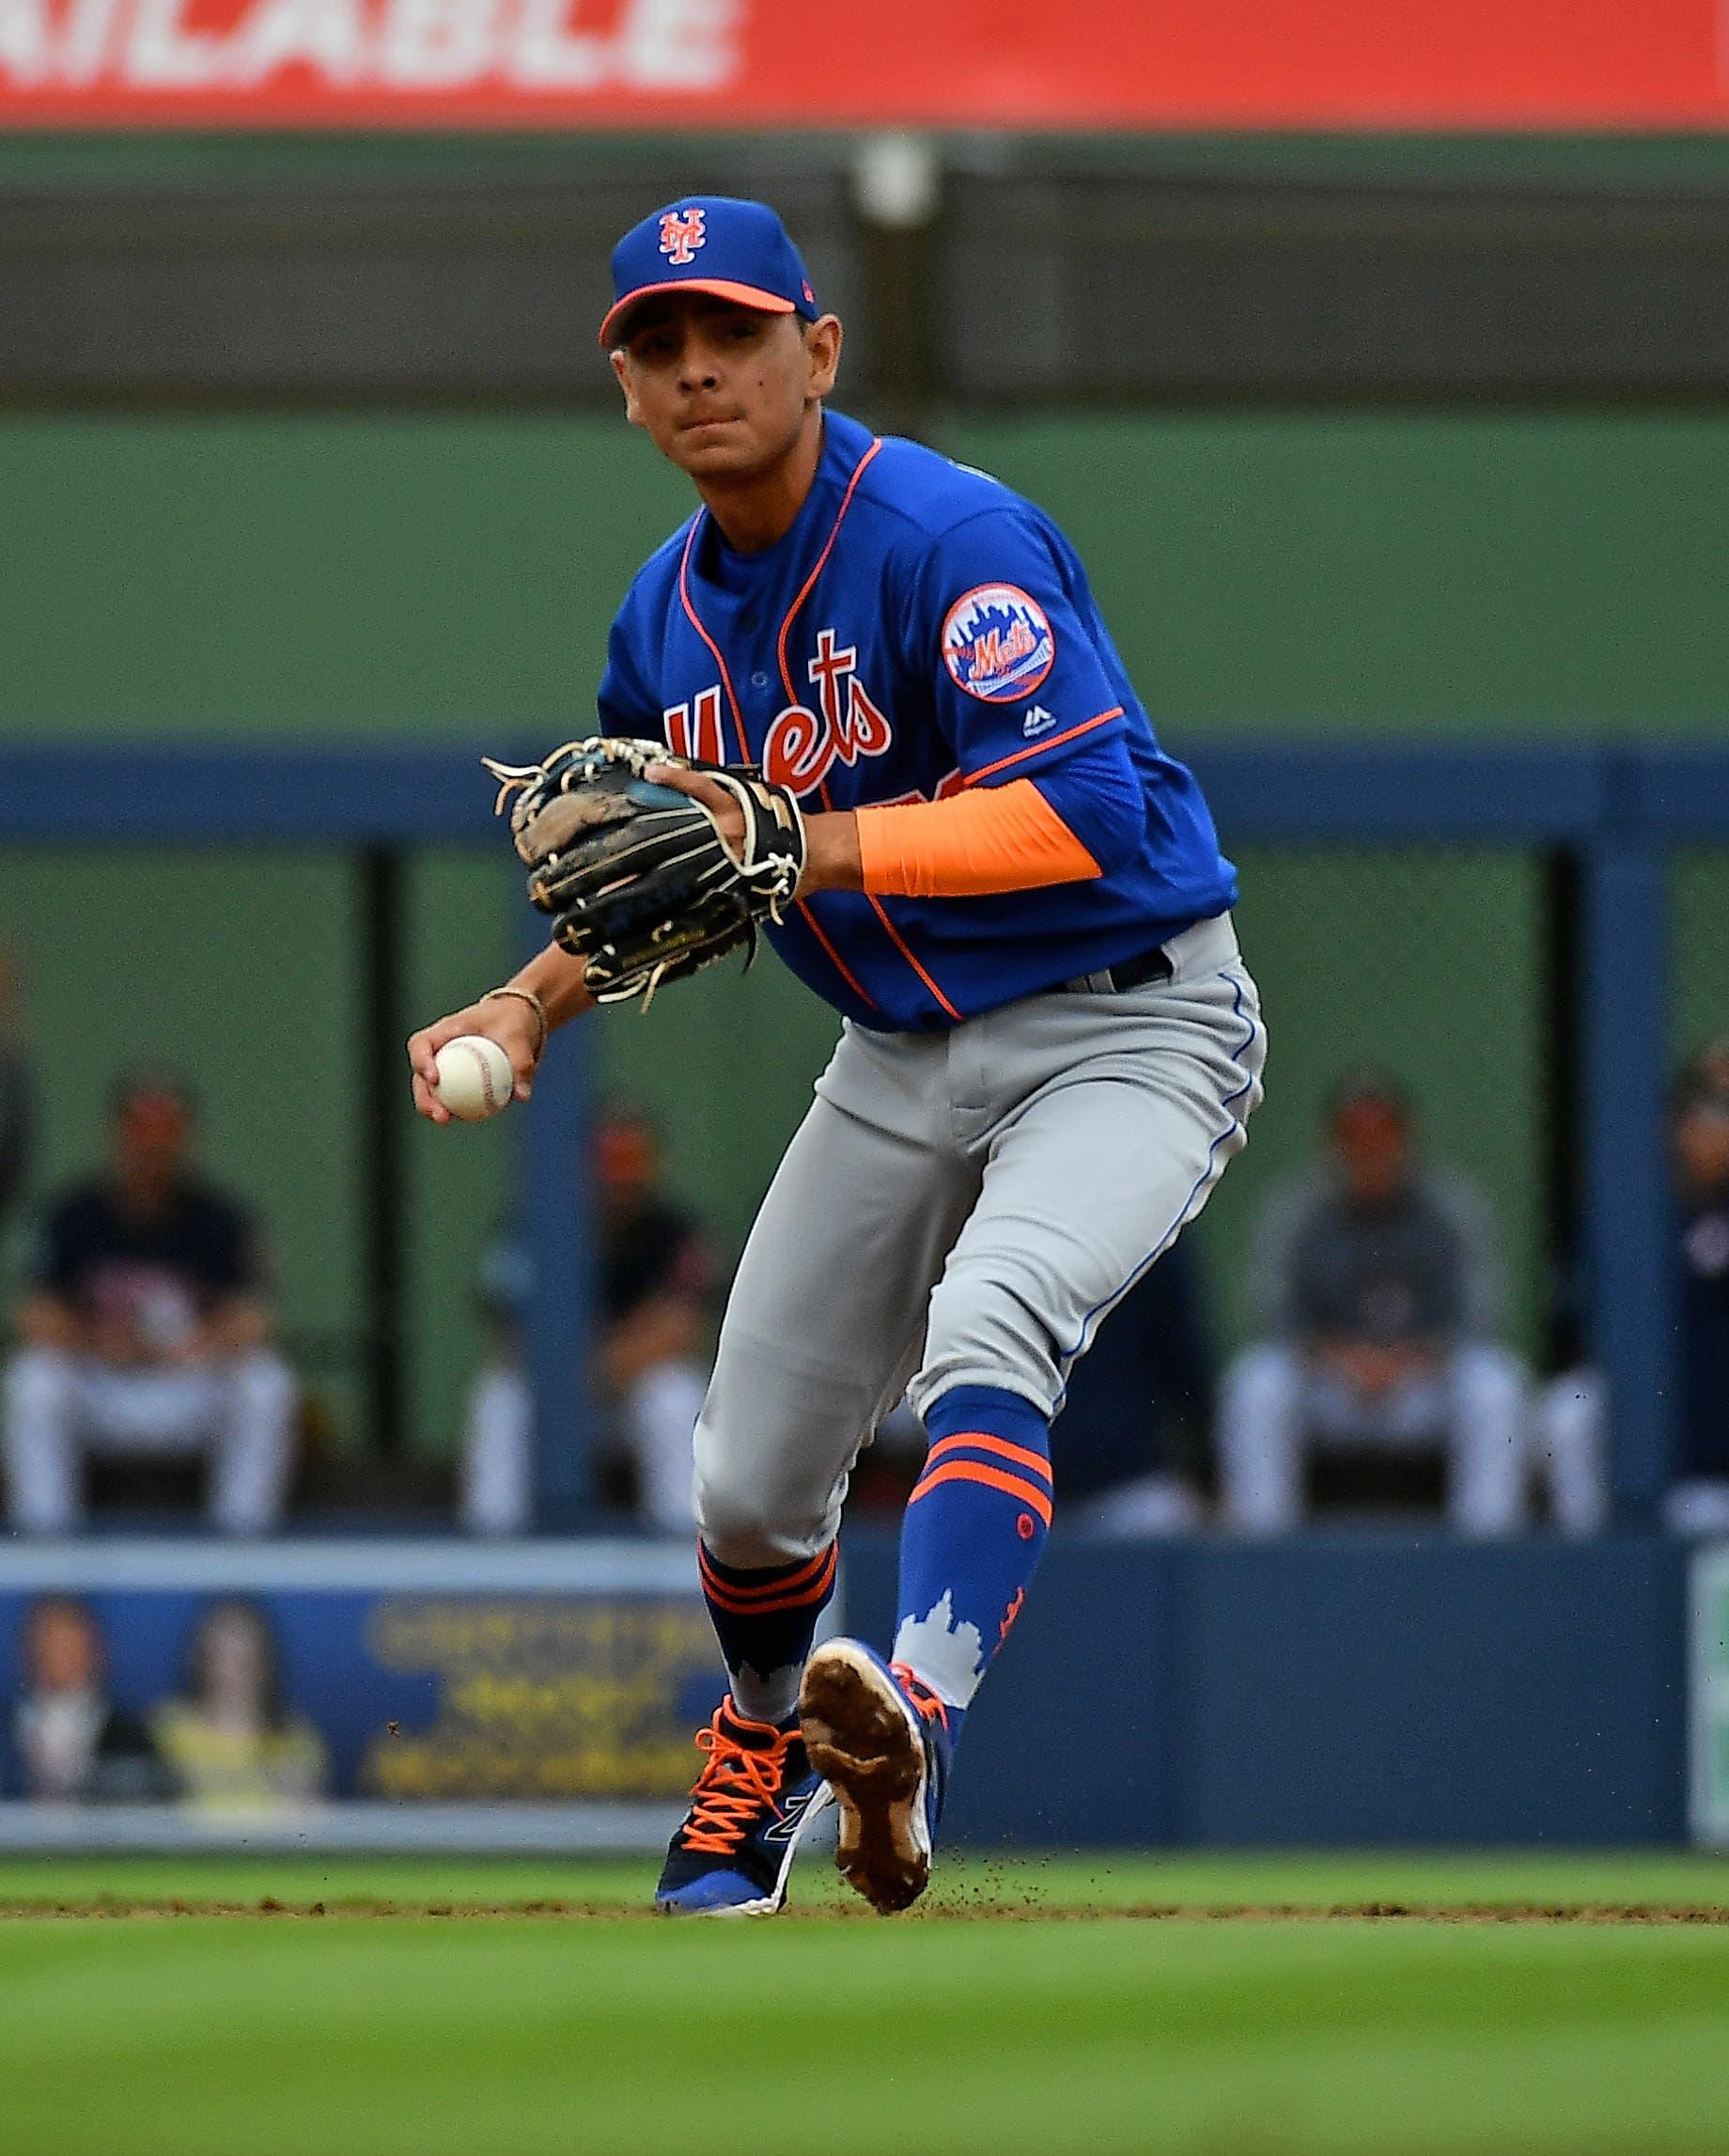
(1149, 965)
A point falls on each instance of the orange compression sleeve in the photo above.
(993, 838)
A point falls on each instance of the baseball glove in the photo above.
(637, 877)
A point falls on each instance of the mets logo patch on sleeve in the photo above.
(997, 643)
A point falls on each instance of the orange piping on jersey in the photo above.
(834, 957)
(684, 594)
(1001, 838)
(744, 751)
(822, 792)
(981, 1441)
(1035, 1499)
(822, 789)
(1038, 748)
(899, 943)
(846, 503)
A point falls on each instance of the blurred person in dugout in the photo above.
(1376, 1294)
(1134, 1435)
(654, 1285)
(1572, 1415)
(70, 1742)
(147, 1333)
(228, 1739)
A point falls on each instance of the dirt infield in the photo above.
(963, 1911)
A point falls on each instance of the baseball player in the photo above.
(1050, 1047)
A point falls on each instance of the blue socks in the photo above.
(974, 1529)
(765, 1621)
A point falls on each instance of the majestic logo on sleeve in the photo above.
(998, 644)
(681, 234)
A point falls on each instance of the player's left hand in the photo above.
(728, 817)
(831, 839)
(651, 868)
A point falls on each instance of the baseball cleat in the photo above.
(749, 1809)
(880, 1740)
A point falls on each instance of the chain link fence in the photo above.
(244, 973)
(253, 972)
(1699, 976)
(1429, 964)
(357, 270)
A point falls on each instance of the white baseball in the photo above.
(473, 1077)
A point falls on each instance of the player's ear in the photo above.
(621, 367)
(822, 354)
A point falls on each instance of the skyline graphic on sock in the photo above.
(974, 1529)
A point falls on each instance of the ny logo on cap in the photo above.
(681, 234)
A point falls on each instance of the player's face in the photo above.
(64, 1651)
(153, 1131)
(1373, 1149)
(722, 390)
(624, 1159)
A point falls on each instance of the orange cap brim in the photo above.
(718, 288)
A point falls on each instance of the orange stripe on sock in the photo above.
(807, 1579)
(762, 1609)
(982, 1441)
(799, 1601)
(1035, 1499)
(800, 1577)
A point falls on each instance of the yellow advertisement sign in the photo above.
(543, 1698)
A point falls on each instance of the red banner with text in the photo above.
(1118, 63)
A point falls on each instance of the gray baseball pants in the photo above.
(964, 1209)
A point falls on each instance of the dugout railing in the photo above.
(1607, 821)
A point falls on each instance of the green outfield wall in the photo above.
(1536, 572)
(1538, 575)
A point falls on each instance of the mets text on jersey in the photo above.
(802, 746)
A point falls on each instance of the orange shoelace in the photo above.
(735, 1788)
(923, 1699)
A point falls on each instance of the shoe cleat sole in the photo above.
(766, 1906)
(865, 1740)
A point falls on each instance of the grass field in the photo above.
(1226, 2005)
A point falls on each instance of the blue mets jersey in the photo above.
(919, 629)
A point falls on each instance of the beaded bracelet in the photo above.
(528, 996)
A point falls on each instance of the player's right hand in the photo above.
(503, 1019)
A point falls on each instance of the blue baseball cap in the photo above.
(709, 243)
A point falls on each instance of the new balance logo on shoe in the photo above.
(793, 1809)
